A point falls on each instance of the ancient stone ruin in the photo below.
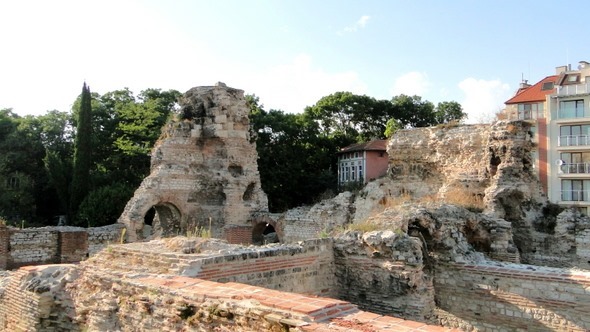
(458, 235)
(204, 171)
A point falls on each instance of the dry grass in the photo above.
(463, 198)
(364, 227)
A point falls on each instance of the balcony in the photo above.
(573, 89)
(573, 140)
(575, 168)
(575, 195)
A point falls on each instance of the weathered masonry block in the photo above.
(73, 246)
(512, 297)
(46, 245)
(204, 171)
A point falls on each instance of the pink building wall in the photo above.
(376, 163)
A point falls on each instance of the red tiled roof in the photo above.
(375, 145)
(533, 93)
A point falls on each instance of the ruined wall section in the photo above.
(306, 267)
(61, 244)
(203, 169)
(315, 221)
(384, 272)
(491, 296)
(34, 299)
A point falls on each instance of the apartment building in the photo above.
(558, 108)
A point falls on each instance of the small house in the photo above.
(362, 162)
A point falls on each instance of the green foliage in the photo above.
(82, 155)
(359, 118)
(294, 157)
(104, 205)
(391, 127)
(448, 112)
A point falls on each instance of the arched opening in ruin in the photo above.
(162, 220)
(264, 233)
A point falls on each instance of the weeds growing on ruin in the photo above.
(199, 231)
(463, 198)
(122, 237)
(364, 227)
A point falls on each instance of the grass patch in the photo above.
(364, 227)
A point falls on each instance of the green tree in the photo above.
(104, 205)
(293, 157)
(448, 111)
(82, 154)
(357, 117)
(412, 111)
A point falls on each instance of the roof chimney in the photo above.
(560, 70)
(524, 84)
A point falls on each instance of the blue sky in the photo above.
(289, 53)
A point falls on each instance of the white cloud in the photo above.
(361, 23)
(412, 83)
(483, 98)
(293, 86)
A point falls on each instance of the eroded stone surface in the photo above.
(204, 169)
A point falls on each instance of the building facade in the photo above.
(558, 108)
(360, 163)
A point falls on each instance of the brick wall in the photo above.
(54, 298)
(503, 297)
(32, 246)
(299, 229)
(238, 234)
(306, 268)
(72, 246)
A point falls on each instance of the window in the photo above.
(356, 154)
(574, 135)
(346, 175)
(547, 86)
(530, 111)
(571, 109)
(574, 190)
(575, 162)
(573, 78)
(361, 178)
(353, 173)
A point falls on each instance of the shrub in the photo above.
(104, 205)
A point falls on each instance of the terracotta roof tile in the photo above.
(374, 145)
(534, 92)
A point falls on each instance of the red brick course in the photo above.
(308, 313)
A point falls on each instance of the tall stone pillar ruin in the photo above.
(204, 172)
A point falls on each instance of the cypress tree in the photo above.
(82, 155)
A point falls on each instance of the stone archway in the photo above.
(162, 220)
(264, 233)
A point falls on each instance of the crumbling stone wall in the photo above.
(492, 296)
(204, 170)
(61, 244)
(383, 272)
(309, 222)
(306, 267)
(105, 295)
(34, 299)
